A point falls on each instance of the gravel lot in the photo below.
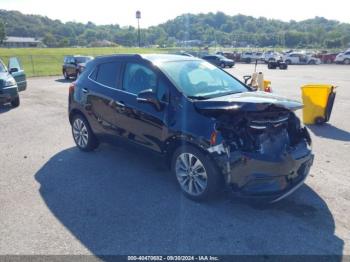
(55, 199)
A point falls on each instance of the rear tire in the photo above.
(65, 75)
(15, 102)
(83, 136)
(198, 177)
(347, 61)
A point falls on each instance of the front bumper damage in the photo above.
(264, 177)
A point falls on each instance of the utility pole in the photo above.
(138, 17)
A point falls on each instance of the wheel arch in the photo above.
(173, 143)
(75, 112)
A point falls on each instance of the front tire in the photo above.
(196, 173)
(347, 61)
(222, 65)
(15, 102)
(83, 136)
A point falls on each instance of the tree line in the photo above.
(207, 29)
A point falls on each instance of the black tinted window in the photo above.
(93, 74)
(108, 74)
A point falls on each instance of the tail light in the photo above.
(71, 88)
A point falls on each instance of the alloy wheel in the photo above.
(191, 174)
(80, 133)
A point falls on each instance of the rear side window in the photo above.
(107, 74)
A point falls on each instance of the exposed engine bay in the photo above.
(263, 132)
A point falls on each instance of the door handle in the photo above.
(85, 90)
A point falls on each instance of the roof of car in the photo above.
(167, 58)
(153, 58)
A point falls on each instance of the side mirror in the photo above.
(148, 96)
(13, 70)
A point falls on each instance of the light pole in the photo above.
(138, 17)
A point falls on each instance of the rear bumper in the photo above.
(269, 178)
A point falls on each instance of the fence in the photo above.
(39, 65)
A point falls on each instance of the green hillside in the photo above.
(210, 29)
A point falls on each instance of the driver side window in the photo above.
(138, 77)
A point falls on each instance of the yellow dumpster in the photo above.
(267, 86)
(318, 102)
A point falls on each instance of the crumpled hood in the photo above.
(247, 101)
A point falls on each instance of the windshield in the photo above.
(82, 59)
(2, 67)
(200, 79)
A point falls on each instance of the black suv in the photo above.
(209, 126)
(73, 66)
(219, 60)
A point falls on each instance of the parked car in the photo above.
(210, 127)
(300, 59)
(219, 60)
(327, 58)
(249, 57)
(73, 66)
(279, 63)
(12, 81)
(271, 56)
(230, 55)
(343, 58)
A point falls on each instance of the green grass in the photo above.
(48, 61)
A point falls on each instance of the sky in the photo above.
(155, 12)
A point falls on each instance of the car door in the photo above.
(101, 95)
(15, 69)
(141, 122)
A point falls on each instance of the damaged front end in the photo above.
(263, 153)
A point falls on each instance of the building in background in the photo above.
(14, 41)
